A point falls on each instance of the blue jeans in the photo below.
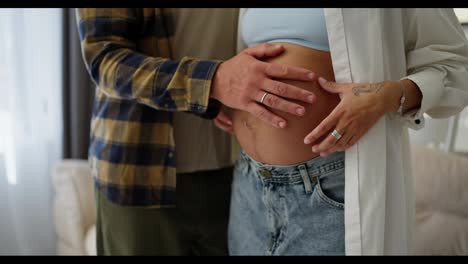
(288, 210)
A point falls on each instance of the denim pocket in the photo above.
(330, 188)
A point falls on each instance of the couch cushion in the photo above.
(441, 187)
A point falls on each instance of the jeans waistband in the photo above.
(316, 167)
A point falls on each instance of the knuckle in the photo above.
(283, 70)
(324, 128)
(257, 66)
(272, 100)
(280, 89)
(268, 68)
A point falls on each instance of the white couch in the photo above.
(74, 208)
(441, 182)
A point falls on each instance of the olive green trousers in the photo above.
(196, 226)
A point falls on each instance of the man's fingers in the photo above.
(263, 114)
(265, 50)
(288, 91)
(281, 104)
(288, 72)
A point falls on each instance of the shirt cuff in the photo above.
(212, 111)
(200, 87)
(430, 83)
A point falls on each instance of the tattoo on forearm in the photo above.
(370, 88)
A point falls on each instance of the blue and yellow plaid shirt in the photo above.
(126, 52)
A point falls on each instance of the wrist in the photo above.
(216, 83)
(392, 96)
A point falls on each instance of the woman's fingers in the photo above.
(325, 126)
(223, 126)
(333, 87)
(223, 117)
(340, 144)
(224, 122)
(330, 141)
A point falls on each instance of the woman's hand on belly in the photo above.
(361, 106)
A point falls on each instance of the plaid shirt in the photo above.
(132, 152)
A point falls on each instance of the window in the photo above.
(462, 14)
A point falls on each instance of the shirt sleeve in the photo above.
(437, 61)
(109, 45)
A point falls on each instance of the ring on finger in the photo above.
(336, 134)
(263, 97)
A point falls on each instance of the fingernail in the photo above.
(282, 124)
(277, 46)
(323, 154)
(311, 75)
(322, 80)
(310, 98)
(306, 141)
(314, 149)
(300, 111)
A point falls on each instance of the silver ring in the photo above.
(263, 97)
(336, 134)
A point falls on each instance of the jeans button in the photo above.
(265, 172)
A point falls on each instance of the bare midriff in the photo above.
(285, 146)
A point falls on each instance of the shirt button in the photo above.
(417, 121)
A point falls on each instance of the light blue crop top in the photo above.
(302, 26)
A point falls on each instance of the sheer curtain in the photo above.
(30, 127)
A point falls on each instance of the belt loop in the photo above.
(305, 178)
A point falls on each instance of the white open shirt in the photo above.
(427, 46)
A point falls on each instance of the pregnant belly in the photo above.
(286, 146)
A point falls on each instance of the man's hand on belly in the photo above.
(246, 83)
